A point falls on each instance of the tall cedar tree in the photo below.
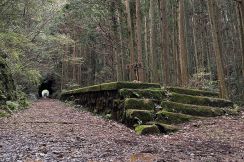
(217, 48)
(139, 38)
(182, 45)
(131, 40)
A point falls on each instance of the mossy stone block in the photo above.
(142, 115)
(147, 129)
(75, 91)
(141, 104)
(165, 128)
(193, 92)
(194, 110)
(94, 88)
(199, 100)
(173, 118)
(157, 94)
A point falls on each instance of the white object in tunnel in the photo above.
(45, 93)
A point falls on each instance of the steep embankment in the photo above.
(7, 87)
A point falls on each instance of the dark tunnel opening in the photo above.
(48, 85)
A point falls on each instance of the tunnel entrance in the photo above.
(46, 85)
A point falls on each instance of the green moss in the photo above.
(193, 92)
(147, 129)
(12, 105)
(234, 111)
(157, 94)
(108, 116)
(109, 86)
(22, 100)
(192, 109)
(199, 100)
(3, 114)
(141, 104)
(136, 116)
(94, 88)
(131, 85)
(75, 91)
(4, 109)
(173, 118)
(165, 128)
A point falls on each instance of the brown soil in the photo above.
(52, 131)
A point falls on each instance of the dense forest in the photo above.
(190, 43)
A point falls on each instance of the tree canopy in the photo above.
(83, 42)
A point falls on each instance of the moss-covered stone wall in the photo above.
(149, 108)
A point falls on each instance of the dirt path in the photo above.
(51, 131)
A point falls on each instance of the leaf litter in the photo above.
(52, 131)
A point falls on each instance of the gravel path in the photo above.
(51, 131)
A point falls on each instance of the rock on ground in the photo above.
(52, 131)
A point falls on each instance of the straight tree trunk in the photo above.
(175, 50)
(73, 63)
(80, 64)
(139, 39)
(240, 9)
(131, 40)
(164, 41)
(115, 66)
(153, 62)
(67, 69)
(93, 66)
(182, 45)
(62, 70)
(121, 54)
(217, 49)
(195, 36)
(146, 50)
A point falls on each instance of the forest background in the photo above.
(190, 43)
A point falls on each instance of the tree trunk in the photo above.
(182, 45)
(164, 41)
(73, 63)
(121, 52)
(153, 60)
(146, 51)
(139, 39)
(217, 49)
(175, 50)
(62, 70)
(194, 27)
(240, 8)
(131, 40)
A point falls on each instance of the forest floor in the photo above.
(52, 131)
